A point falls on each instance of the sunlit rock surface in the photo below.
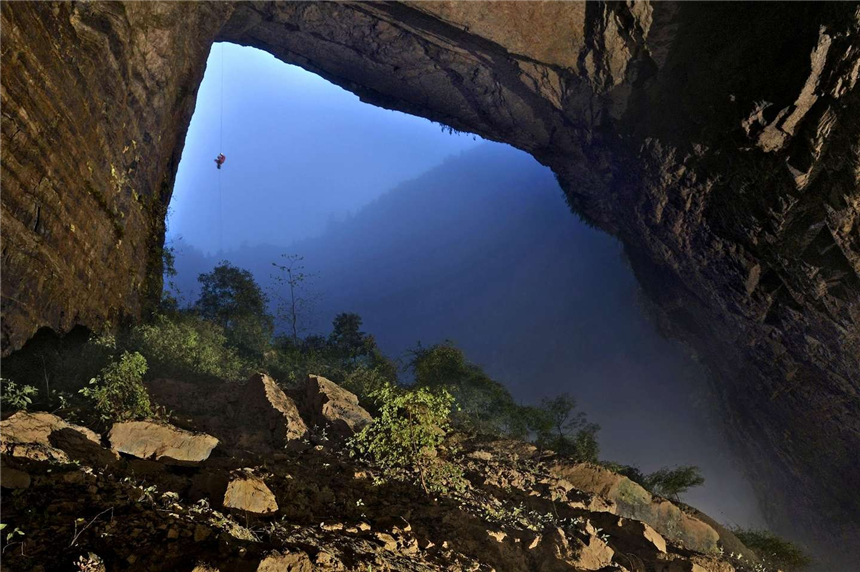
(719, 142)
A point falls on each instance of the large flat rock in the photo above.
(161, 442)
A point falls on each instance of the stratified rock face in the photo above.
(720, 143)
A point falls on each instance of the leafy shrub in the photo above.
(670, 483)
(406, 437)
(118, 393)
(14, 396)
(290, 364)
(187, 347)
(348, 357)
(773, 550)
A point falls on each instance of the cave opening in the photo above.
(431, 236)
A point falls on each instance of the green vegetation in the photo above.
(118, 393)
(187, 347)
(406, 438)
(16, 396)
(483, 405)
(227, 334)
(670, 483)
(774, 551)
(231, 298)
(561, 428)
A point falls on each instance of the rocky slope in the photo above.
(719, 142)
(271, 490)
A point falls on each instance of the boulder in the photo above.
(290, 562)
(693, 563)
(557, 551)
(265, 416)
(629, 535)
(43, 437)
(333, 408)
(634, 502)
(161, 442)
(248, 492)
(253, 416)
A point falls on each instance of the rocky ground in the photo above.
(249, 478)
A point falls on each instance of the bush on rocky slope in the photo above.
(117, 393)
(774, 551)
(406, 438)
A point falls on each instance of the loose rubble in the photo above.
(177, 500)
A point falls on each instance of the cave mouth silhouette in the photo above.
(667, 376)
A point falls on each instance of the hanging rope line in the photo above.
(221, 144)
(221, 154)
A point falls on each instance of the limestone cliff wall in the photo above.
(719, 142)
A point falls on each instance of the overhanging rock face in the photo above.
(720, 143)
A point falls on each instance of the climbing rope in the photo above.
(221, 150)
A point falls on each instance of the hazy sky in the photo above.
(299, 150)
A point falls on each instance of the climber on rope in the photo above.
(219, 160)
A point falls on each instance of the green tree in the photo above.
(170, 296)
(558, 426)
(483, 404)
(232, 298)
(347, 337)
(671, 483)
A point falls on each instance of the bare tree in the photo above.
(295, 302)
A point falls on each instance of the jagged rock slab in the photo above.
(161, 442)
(43, 437)
(255, 415)
(264, 407)
(333, 408)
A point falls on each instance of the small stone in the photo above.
(388, 542)
(161, 441)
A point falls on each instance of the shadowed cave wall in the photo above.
(719, 142)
